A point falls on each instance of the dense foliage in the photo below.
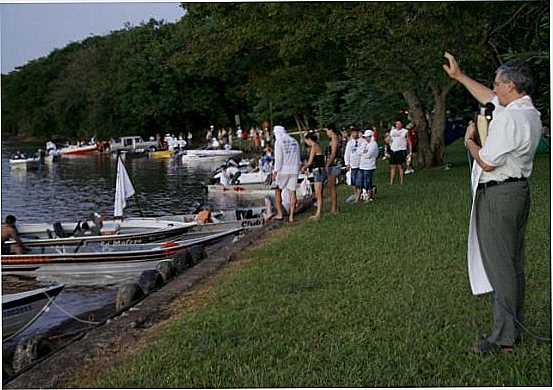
(301, 64)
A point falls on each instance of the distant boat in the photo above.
(161, 154)
(25, 163)
(20, 310)
(195, 155)
(76, 149)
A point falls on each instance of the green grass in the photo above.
(377, 296)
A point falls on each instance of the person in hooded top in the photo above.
(286, 170)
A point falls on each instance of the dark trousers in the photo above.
(501, 217)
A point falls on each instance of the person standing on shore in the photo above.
(351, 159)
(367, 164)
(333, 165)
(398, 146)
(286, 170)
(316, 163)
(501, 197)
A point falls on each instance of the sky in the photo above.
(30, 31)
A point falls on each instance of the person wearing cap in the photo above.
(368, 152)
(209, 134)
(286, 170)
(501, 196)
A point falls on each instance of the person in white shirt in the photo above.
(351, 159)
(501, 197)
(398, 146)
(368, 152)
(286, 170)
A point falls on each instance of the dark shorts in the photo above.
(398, 157)
(354, 174)
(365, 179)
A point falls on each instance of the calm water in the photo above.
(74, 187)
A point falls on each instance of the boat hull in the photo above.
(20, 310)
(76, 150)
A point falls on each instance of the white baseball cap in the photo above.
(368, 133)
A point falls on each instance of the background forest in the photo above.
(300, 64)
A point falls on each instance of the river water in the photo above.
(74, 187)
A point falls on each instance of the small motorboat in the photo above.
(40, 257)
(245, 218)
(124, 231)
(20, 310)
(78, 149)
(198, 155)
(20, 161)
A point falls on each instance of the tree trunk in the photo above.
(437, 141)
(424, 153)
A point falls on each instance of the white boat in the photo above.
(20, 310)
(125, 231)
(25, 163)
(78, 149)
(245, 218)
(194, 155)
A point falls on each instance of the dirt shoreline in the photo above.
(101, 347)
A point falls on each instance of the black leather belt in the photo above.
(494, 183)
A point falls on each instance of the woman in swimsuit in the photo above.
(316, 163)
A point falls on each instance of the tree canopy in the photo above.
(300, 64)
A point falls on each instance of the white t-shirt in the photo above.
(513, 137)
(399, 139)
(368, 152)
(287, 155)
(351, 155)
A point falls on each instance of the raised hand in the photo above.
(452, 69)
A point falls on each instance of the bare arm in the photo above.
(309, 161)
(333, 151)
(480, 92)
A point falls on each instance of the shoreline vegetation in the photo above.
(376, 296)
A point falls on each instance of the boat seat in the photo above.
(58, 229)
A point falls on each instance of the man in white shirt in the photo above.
(501, 197)
(351, 159)
(398, 146)
(286, 170)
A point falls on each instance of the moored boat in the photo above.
(130, 231)
(20, 310)
(87, 253)
(245, 218)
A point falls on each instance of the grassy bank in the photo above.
(377, 296)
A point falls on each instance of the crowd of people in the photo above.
(354, 153)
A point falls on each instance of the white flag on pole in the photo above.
(123, 189)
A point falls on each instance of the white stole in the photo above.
(479, 282)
